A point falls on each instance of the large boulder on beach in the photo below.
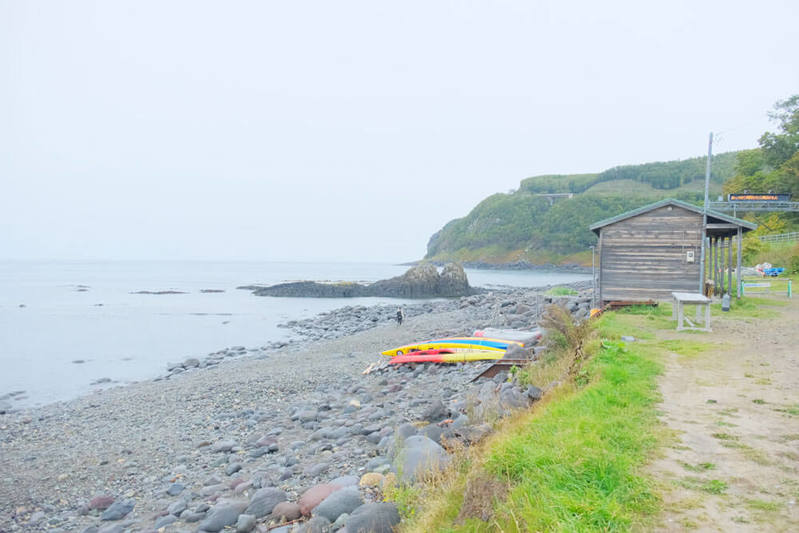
(374, 518)
(339, 502)
(453, 281)
(418, 456)
(424, 281)
(420, 281)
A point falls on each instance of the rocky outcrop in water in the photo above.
(420, 281)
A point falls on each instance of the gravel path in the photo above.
(289, 418)
(734, 410)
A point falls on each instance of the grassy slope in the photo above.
(575, 467)
(575, 462)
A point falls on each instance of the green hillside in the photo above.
(524, 226)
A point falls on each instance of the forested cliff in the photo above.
(526, 225)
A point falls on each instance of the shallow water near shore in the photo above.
(64, 326)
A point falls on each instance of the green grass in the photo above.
(657, 317)
(792, 410)
(576, 467)
(405, 497)
(762, 505)
(685, 348)
(700, 467)
(750, 307)
(714, 486)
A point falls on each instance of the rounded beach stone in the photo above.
(342, 501)
(245, 523)
(118, 510)
(317, 524)
(420, 454)
(371, 479)
(345, 481)
(286, 511)
(314, 496)
(374, 518)
(264, 501)
(436, 411)
(177, 507)
(224, 446)
(221, 515)
(406, 430)
(165, 521)
(175, 489)
(101, 503)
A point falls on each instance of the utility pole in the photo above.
(704, 215)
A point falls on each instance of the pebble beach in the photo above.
(257, 441)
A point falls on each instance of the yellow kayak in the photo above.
(464, 343)
(456, 357)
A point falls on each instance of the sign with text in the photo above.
(767, 197)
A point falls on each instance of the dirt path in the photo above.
(733, 464)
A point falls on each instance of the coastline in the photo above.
(573, 268)
(277, 411)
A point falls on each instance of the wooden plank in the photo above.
(614, 292)
(647, 259)
(644, 284)
(721, 226)
(740, 249)
(643, 281)
(601, 255)
(690, 297)
(729, 266)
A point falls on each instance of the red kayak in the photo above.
(456, 357)
(431, 351)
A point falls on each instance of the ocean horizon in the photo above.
(71, 327)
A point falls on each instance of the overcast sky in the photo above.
(350, 130)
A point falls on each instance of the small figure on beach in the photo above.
(400, 315)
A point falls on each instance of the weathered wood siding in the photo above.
(644, 257)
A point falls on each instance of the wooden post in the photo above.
(723, 265)
(729, 266)
(709, 271)
(711, 266)
(740, 233)
(715, 265)
(599, 274)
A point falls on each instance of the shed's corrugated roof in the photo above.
(671, 201)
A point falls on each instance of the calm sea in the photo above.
(55, 313)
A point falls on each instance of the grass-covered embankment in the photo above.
(573, 463)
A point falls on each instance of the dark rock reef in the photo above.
(420, 281)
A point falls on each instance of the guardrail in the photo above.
(765, 285)
(744, 207)
(782, 237)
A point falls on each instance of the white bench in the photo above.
(690, 298)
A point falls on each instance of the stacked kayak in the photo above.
(457, 344)
(445, 356)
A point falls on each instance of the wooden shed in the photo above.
(650, 252)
